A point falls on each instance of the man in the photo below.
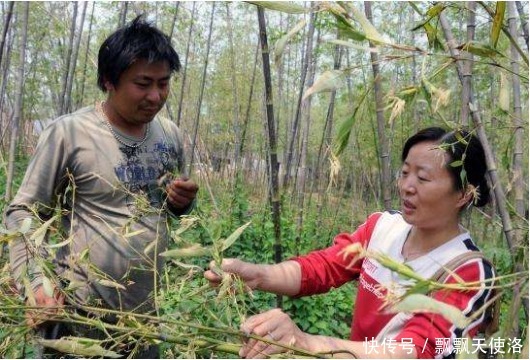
(112, 170)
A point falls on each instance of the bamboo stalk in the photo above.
(490, 160)
(274, 193)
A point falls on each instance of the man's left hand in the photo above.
(181, 192)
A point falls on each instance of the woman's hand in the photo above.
(283, 278)
(276, 326)
(249, 273)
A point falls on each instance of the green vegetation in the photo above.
(342, 158)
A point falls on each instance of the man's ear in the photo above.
(108, 85)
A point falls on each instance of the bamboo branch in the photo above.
(490, 160)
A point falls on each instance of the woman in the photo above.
(443, 173)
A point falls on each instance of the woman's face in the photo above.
(428, 196)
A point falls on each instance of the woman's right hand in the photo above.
(250, 273)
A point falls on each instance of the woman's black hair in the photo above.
(137, 40)
(467, 160)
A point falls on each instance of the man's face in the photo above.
(141, 92)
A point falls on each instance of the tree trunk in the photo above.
(203, 83)
(326, 140)
(517, 167)
(173, 22)
(18, 103)
(524, 22)
(6, 28)
(247, 161)
(249, 103)
(81, 96)
(66, 73)
(492, 168)
(235, 100)
(386, 184)
(185, 70)
(296, 122)
(517, 180)
(71, 72)
(467, 65)
(274, 193)
(301, 166)
(4, 66)
(123, 14)
(177, 5)
(281, 76)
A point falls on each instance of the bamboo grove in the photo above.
(294, 115)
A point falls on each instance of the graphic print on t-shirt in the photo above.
(141, 168)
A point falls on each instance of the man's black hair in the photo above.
(467, 157)
(137, 40)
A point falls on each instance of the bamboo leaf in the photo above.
(343, 135)
(186, 222)
(229, 241)
(283, 6)
(479, 49)
(150, 247)
(418, 303)
(192, 251)
(397, 109)
(352, 45)
(187, 266)
(84, 254)
(370, 31)
(279, 47)
(61, 244)
(427, 89)
(431, 32)
(330, 80)
(79, 346)
(504, 94)
(435, 10)
(408, 92)
(346, 28)
(39, 234)
(25, 226)
(420, 287)
(112, 284)
(432, 12)
(432, 37)
(344, 132)
(496, 27)
(134, 233)
(47, 286)
(28, 292)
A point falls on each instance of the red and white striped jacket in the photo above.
(386, 233)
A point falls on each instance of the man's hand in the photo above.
(181, 192)
(48, 306)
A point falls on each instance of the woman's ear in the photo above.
(468, 196)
